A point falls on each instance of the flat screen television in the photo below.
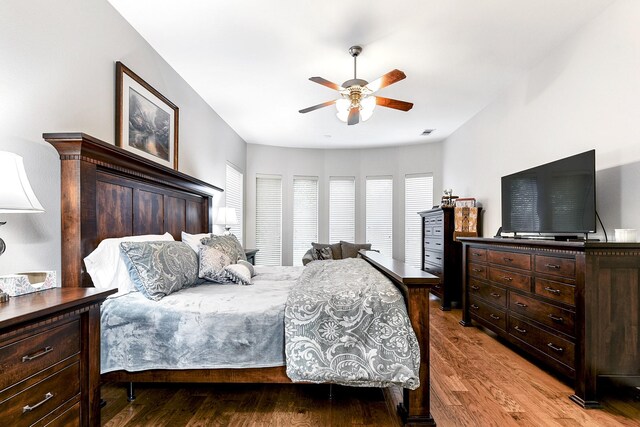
(554, 198)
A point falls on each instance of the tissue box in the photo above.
(26, 283)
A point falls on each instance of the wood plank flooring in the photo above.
(475, 381)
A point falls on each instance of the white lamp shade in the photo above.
(226, 216)
(16, 195)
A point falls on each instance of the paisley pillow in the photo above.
(239, 274)
(158, 269)
(228, 245)
(212, 264)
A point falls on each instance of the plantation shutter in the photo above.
(379, 214)
(269, 220)
(342, 209)
(305, 215)
(235, 199)
(418, 196)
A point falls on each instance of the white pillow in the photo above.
(107, 268)
(193, 240)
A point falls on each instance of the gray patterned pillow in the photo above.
(324, 253)
(249, 266)
(239, 274)
(212, 264)
(228, 245)
(158, 269)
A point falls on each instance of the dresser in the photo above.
(50, 358)
(573, 306)
(441, 255)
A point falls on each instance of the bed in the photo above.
(108, 192)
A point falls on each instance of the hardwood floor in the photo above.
(475, 381)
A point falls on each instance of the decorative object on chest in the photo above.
(570, 305)
(50, 358)
(251, 255)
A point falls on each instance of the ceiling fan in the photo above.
(357, 100)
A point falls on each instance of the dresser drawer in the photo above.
(555, 290)
(477, 270)
(69, 418)
(510, 279)
(433, 257)
(433, 269)
(433, 244)
(494, 294)
(487, 312)
(476, 255)
(438, 231)
(555, 317)
(563, 267)
(33, 353)
(37, 401)
(555, 347)
(510, 259)
(428, 231)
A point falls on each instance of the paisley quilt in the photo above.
(346, 323)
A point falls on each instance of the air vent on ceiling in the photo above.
(427, 132)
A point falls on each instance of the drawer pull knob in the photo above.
(438, 258)
(507, 259)
(554, 348)
(475, 288)
(521, 304)
(507, 278)
(29, 408)
(553, 291)
(37, 354)
(554, 266)
(522, 331)
(476, 254)
(437, 286)
(475, 307)
(438, 244)
(477, 270)
(494, 317)
(495, 295)
(556, 319)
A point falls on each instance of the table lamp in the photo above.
(16, 195)
(226, 217)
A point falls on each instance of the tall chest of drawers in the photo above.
(50, 358)
(441, 254)
(572, 305)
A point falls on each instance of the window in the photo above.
(235, 197)
(269, 220)
(379, 214)
(418, 196)
(305, 215)
(342, 209)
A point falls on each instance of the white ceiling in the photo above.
(251, 59)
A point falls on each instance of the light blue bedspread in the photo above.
(204, 327)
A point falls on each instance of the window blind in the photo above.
(379, 214)
(418, 196)
(342, 209)
(305, 215)
(234, 193)
(269, 220)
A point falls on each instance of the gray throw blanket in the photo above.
(345, 323)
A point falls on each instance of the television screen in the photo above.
(558, 197)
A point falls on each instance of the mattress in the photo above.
(210, 326)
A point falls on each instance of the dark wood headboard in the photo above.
(109, 192)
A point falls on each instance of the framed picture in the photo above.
(146, 121)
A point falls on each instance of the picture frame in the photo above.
(146, 121)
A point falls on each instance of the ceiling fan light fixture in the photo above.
(367, 105)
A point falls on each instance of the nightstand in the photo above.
(50, 357)
(251, 255)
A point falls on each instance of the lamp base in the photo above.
(227, 231)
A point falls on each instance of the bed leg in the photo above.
(131, 395)
(330, 391)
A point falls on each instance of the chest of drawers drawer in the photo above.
(433, 257)
(563, 267)
(31, 353)
(477, 255)
(477, 270)
(510, 259)
(487, 312)
(35, 402)
(494, 294)
(547, 314)
(433, 269)
(557, 291)
(553, 346)
(433, 244)
(510, 278)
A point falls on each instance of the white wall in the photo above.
(289, 162)
(57, 74)
(584, 95)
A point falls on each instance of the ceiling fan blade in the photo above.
(325, 82)
(393, 103)
(390, 78)
(316, 107)
(354, 116)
